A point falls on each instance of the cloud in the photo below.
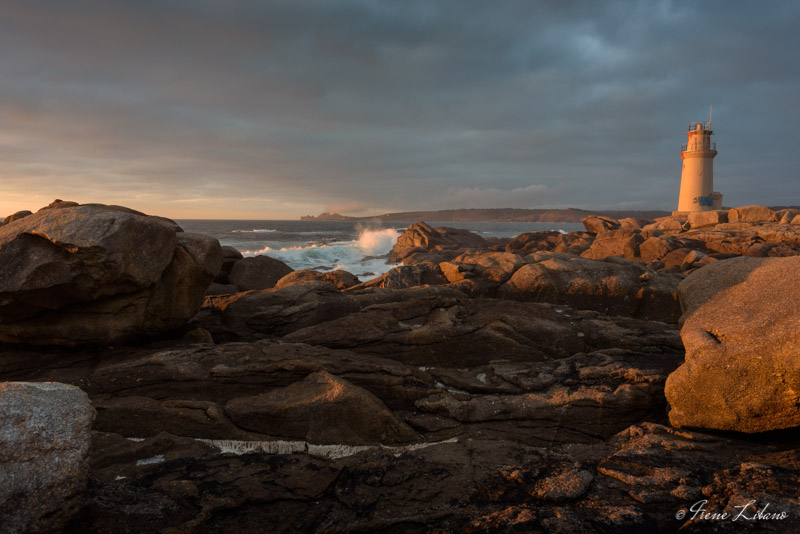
(400, 105)
(521, 197)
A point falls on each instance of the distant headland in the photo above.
(491, 215)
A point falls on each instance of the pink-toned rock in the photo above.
(597, 224)
(421, 237)
(621, 243)
(786, 216)
(741, 337)
(655, 248)
(614, 286)
(17, 216)
(705, 219)
(751, 214)
(573, 242)
(631, 223)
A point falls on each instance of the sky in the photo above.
(274, 109)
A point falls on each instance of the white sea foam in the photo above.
(361, 256)
(374, 242)
(254, 231)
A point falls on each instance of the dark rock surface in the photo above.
(259, 272)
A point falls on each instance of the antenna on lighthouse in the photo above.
(710, 109)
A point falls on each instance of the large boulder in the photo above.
(45, 429)
(742, 340)
(615, 286)
(99, 274)
(751, 214)
(597, 224)
(704, 219)
(621, 243)
(421, 237)
(260, 272)
(323, 408)
(655, 248)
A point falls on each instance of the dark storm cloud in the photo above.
(413, 104)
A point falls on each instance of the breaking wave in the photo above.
(364, 256)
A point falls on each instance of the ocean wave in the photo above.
(360, 256)
(254, 231)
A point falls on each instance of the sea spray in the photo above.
(363, 256)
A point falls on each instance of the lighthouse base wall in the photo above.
(697, 184)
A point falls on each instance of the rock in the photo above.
(615, 287)
(655, 248)
(341, 279)
(198, 335)
(786, 216)
(621, 243)
(17, 216)
(422, 237)
(59, 204)
(406, 276)
(631, 223)
(667, 225)
(44, 440)
(260, 272)
(597, 224)
(635, 481)
(691, 258)
(741, 337)
(306, 409)
(751, 214)
(99, 274)
(573, 242)
(221, 289)
(796, 220)
(423, 326)
(494, 266)
(704, 219)
(229, 256)
(455, 272)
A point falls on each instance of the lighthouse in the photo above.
(697, 178)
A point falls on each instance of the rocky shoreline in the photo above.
(614, 380)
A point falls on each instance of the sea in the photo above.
(359, 247)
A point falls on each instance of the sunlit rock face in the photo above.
(99, 274)
(45, 429)
(742, 340)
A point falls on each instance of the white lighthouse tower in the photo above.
(697, 179)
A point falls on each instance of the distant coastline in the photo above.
(492, 215)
